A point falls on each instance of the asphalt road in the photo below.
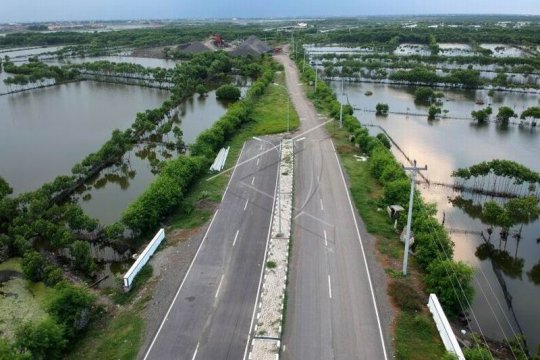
(332, 311)
(211, 314)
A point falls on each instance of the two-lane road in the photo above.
(210, 316)
(332, 311)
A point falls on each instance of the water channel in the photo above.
(507, 282)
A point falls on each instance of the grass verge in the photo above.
(415, 334)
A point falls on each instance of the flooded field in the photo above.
(507, 280)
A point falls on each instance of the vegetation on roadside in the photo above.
(381, 182)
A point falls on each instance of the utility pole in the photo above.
(414, 170)
(316, 74)
(341, 106)
(304, 63)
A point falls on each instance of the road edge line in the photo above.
(363, 252)
(263, 263)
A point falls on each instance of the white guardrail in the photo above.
(447, 335)
(143, 259)
(219, 162)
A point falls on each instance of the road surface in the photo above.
(211, 314)
(332, 311)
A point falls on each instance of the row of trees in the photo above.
(433, 247)
(168, 190)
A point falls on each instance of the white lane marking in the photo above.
(252, 180)
(262, 267)
(219, 286)
(322, 206)
(325, 239)
(329, 287)
(258, 159)
(245, 206)
(363, 253)
(195, 353)
(302, 138)
(232, 175)
(180, 288)
(235, 237)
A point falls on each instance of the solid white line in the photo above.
(245, 206)
(329, 287)
(322, 206)
(232, 175)
(325, 239)
(235, 237)
(262, 267)
(252, 180)
(180, 288)
(258, 161)
(363, 253)
(219, 286)
(195, 353)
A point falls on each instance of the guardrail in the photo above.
(445, 331)
(219, 162)
(143, 259)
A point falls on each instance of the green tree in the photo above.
(82, 256)
(482, 115)
(505, 113)
(201, 89)
(433, 112)
(533, 112)
(71, 307)
(424, 95)
(228, 92)
(44, 340)
(382, 109)
(451, 282)
(33, 266)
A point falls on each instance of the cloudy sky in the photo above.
(43, 10)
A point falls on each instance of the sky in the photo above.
(48, 10)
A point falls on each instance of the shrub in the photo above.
(33, 266)
(44, 340)
(424, 95)
(405, 296)
(271, 264)
(228, 92)
(82, 256)
(71, 307)
(381, 109)
(384, 140)
(451, 282)
(477, 353)
(53, 275)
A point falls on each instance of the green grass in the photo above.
(417, 338)
(112, 338)
(121, 297)
(269, 117)
(13, 264)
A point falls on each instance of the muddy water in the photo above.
(45, 132)
(507, 279)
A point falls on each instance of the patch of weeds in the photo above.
(121, 297)
(271, 264)
(405, 296)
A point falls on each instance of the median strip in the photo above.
(267, 332)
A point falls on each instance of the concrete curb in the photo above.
(266, 339)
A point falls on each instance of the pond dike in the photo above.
(266, 340)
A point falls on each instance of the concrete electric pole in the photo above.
(414, 170)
